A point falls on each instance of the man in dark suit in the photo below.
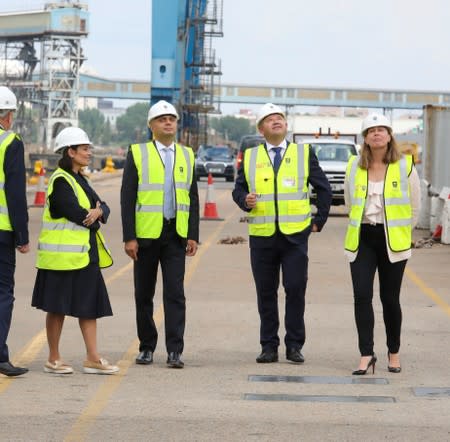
(13, 220)
(272, 186)
(160, 219)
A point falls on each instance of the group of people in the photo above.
(160, 221)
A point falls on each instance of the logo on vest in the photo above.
(181, 169)
(394, 184)
(287, 160)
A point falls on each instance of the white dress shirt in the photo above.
(161, 149)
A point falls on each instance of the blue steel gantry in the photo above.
(185, 71)
(283, 95)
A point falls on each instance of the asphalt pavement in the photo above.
(222, 394)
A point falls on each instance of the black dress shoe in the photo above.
(8, 369)
(267, 356)
(145, 357)
(174, 360)
(295, 355)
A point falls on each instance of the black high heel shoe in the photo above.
(393, 369)
(371, 363)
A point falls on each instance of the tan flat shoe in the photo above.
(57, 367)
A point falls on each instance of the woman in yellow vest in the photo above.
(382, 191)
(71, 251)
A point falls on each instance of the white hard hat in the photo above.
(70, 136)
(268, 109)
(160, 108)
(374, 120)
(8, 100)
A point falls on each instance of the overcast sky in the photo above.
(391, 44)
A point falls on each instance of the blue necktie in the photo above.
(169, 207)
(277, 158)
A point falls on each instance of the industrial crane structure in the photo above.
(40, 60)
(41, 56)
(185, 70)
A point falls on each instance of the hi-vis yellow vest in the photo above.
(64, 245)
(150, 195)
(6, 137)
(397, 203)
(284, 196)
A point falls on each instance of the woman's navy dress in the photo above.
(80, 293)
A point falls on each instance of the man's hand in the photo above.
(250, 200)
(131, 249)
(23, 249)
(191, 247)
(314, 228)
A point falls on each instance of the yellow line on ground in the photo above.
(25, 356)
(119, 273)
(428, 291)
(106, 390)
(99, 401)
(28, 353)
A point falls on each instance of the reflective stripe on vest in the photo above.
(64, 245)
(397, 203)
(6, 138)
(285, 197)
(150, 197)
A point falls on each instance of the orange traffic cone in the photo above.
(39, 198)
(437, 233)
(210, 212)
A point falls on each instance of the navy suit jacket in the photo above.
(16, 195)
(319, 182)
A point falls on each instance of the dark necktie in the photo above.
(277, 158)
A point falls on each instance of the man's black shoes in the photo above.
(145, 357)
(267, 356)
(174, 360)
(295, 355)
(8, 369)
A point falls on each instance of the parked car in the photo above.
(215, 160)
(246, 142)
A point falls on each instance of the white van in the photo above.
(333, 153)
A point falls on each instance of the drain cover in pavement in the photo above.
(319, 379)
(315, 398)
(432, 392)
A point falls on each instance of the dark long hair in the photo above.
(65, 161)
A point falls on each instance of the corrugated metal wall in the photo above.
(436, 167)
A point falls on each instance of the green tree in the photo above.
(232, 128)
(132, 126)
(92, 121)
(107, 133)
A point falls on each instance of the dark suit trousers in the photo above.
(292, 258)
(7, 268)
(373, 256)
(170, 251)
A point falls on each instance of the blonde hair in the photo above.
(392, 154)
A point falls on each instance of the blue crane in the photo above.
(185, 71)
